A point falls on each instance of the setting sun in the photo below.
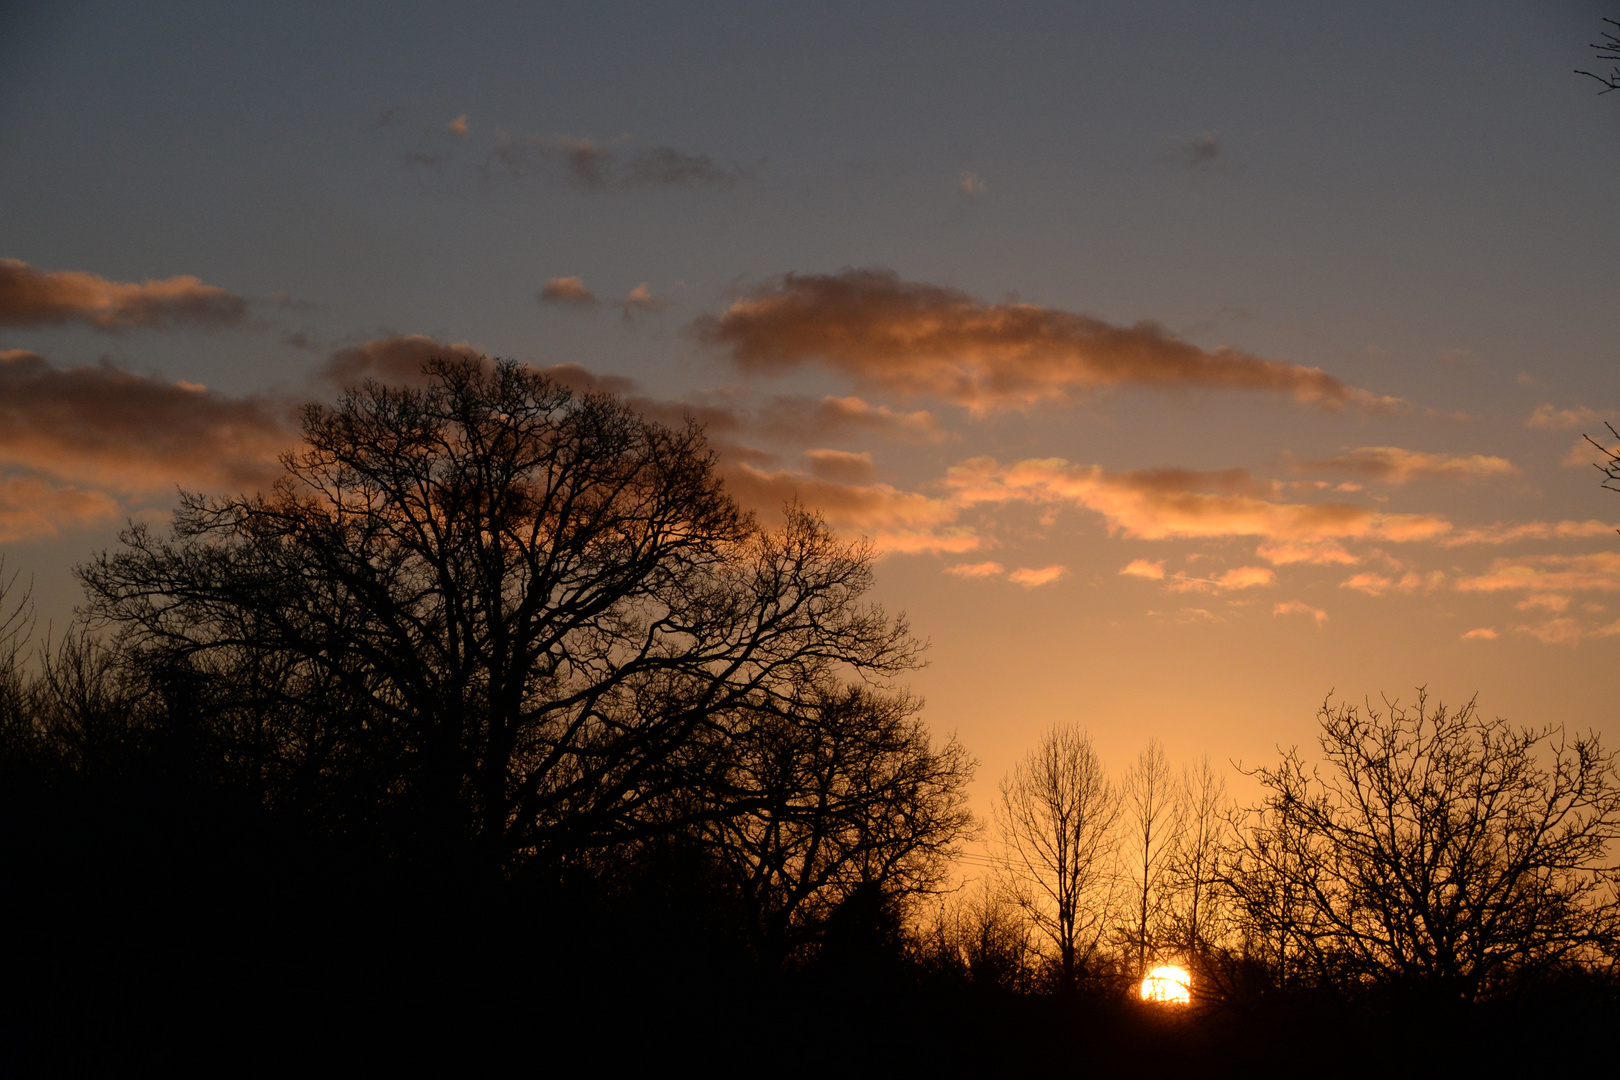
(1171, 985)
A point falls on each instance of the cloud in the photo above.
(1592, 572)
(396, 359)
(1322, 554)
(1299, 607)
(894, 520)
(1031, 578)
(1142, 568)
(840, 466)
(910, 337)
(598, 167)
(1149, 505)
(1546, 416)
(1202, 151)
(1585, 454)
(1244, 577)
(641, 301)
(400, 360)
(30, 297)
(807, 419)
(458, 126)
(970, 186)
(33, 508)
(1481, 633)
(1393, 465)
(112, 428)
(1502, 533)
(976, 570)
(1374, 584)
(567, 290)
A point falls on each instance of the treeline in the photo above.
(1427, 860)
(495, 726)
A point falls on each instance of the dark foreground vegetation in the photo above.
(496, 736)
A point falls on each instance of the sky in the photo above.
(1184, 363)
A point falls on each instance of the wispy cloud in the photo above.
(976, 570)
(1153, 570)
(1299, 607)
(1202, 150)
(641, 301)
(1549, 416)
(894, 520)
(911, 337)
(1033, 578)
(1394, 465)
(570, 291)
(35, 508)
(31, 297)
(589, 165)
(130, 433)
(1146, 505)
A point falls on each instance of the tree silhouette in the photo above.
(1442, 855)
(515, 625)
(1154, 812)
(840, 792)
(1056, 817)
(1194, 871)
(1607, 49)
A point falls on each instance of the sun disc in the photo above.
(1168, 984)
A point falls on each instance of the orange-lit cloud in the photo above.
(894, 520)
(33, 508)
(1588, 452)
(134, 433)
(1243, 577)
(1592, 572)
(1529, 530)
(458, 126)
(1032, 578)
(1322, 554)
(1481, 633)
(1549, 416)
(1393, 465)
(392, 359)
(1374, 584)
(567, 290)
(976, 570)
(641, 301)
(30, 297)
(806, 419)
(1144, 568)
(1299, 607)
(1146, 505)
(840, 466)
(912, 337)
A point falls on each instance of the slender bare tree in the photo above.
(1153, 825)
(1194, 870)
(1057, 819)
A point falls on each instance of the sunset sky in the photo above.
(1185, 362)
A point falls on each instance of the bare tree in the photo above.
(1153, 815)
(1194, 872)
(1057, 818)
(845, 790)
(525, 612)
(1607, 49)
(1440, 854)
